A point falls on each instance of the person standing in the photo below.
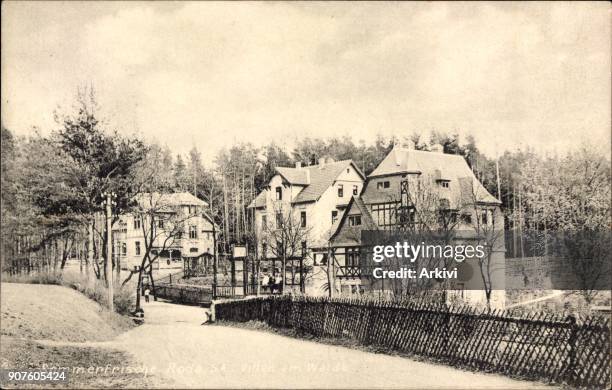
(147, 292)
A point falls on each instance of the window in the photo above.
(193, 250)
(193, 232)
(355, 190)
(352, 257)
(264, 222)
(385, 214)
(279, 220)
(279, 193)
(264, 250)
(123, 249)
(137, 248)
(160, 223)
(407, 215)
(340, 191)
(444, 184)
(280, 249)
(354, 220)
(383, 184)
(137, 223)
(304, 248)
(334, 215)
(466, 219)
(487, 217)
(192, 210)
(303, 219)
(323, 260)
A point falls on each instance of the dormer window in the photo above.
(444, 183)
(279, 193)
(354, 220)
(383, 184)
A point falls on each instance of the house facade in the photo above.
(294, 217)
(412, 190)
(176, 225)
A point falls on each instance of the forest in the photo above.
(53, 185)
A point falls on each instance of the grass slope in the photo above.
(35, 311)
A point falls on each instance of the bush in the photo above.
(49, 277)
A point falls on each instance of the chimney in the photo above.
(437, 148)
(298, 164)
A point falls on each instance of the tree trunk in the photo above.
(330, 269)
(152, 281)
(89, 260)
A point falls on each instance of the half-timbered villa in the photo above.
(406, 187)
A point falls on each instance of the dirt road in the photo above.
(176, 347)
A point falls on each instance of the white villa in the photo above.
(312, 198)
(183, 231)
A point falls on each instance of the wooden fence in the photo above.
(184, 293)
(537, 347)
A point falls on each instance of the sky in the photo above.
(212, 74)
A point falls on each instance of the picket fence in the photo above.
(537, 346)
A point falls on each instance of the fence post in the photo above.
(572, 349)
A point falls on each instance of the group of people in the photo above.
(272, 282)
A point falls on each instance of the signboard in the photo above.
(239, 251)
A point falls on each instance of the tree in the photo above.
(420, 215)
(163, 223)
(488, 226)
(101, 161)
(285, 237)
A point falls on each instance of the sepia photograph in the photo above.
(306, 195)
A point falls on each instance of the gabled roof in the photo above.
(341, 233)
(158, 199)
(440, 166)
(315, 179)
(401, 160)
(294, 176)
(321, 178)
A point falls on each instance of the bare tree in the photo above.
(285, 236)
(422, 214)
(488, 226)
(163, 226)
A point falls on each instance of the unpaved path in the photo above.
(178, 349)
